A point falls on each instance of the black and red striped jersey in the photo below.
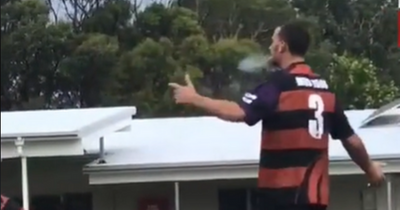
(298, 113)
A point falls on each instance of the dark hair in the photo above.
(296, 37)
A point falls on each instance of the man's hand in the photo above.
(375, 174)
(223, 109)
(356, 150)
(184, 94)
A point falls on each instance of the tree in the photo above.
(31, 51)
(118, 52)
(89, 71)
(176, 44)
(356, 83)
(360, 28)
(254, 19)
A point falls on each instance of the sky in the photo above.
(60, 8)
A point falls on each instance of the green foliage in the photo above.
(362, 88)
(114, 52)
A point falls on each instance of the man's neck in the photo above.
(287, 62)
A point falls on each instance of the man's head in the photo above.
(288, 42)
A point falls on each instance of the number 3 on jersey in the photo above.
(316, 126)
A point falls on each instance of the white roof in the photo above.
(59, 122)
(204, 140)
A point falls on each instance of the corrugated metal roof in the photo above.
(58, 122)
(208, 139)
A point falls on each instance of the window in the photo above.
(81, 201)
(387, 115)
(73, 201)
(384, 120)
(18, 200)
(46, 202)
(237, 199)
(232, 199)
(253, 199)
(393, 105)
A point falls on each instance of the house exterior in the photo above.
(102, 159)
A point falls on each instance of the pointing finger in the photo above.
(174, 85)
(188, 81)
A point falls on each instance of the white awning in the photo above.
(60, 132)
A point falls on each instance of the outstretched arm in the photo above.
(224, 109)
(254, 106)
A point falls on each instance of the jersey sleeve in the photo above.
(259, 102)
(341, 128)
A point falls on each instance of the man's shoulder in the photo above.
(281, 80)
(275, 77)
(266, 86)
(272, 84)
(278, 74)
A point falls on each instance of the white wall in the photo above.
(65, 176)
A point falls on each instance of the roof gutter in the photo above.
(207, 165)
(41, 138)
(215, 172)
